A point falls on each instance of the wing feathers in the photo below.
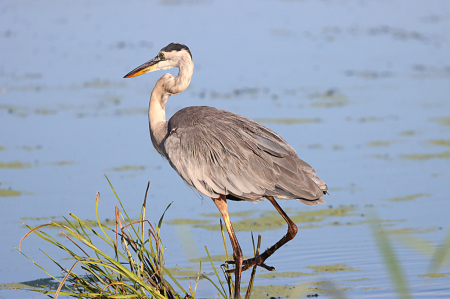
(219, 152)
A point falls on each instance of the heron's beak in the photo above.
(149, 66)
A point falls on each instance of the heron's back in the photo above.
(219, 152)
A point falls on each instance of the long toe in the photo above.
(247, 264)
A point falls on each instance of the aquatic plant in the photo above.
(440, 256)
(136, 267)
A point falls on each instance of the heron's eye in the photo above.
(161, 56)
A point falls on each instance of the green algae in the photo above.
(288, 121)
(97, 83)
(435, 275)
(9, 193)
(184, 273)
(358, 279)
(408, 133)
(443, 121)
(15, 286)
(409, 197)
(379, 143)
(32, 285)
(369, 288)
(45, 111)
(184, 221)
(329, 99)
(15, 165)
(330, 104)
(272, 275)
(31, 148)
(332, 268)
(410, 230)
(127, 168)
(269, 220)
(64, 163)
(218, 258)
(421, 157)
(297, 291)
(38, 218)
(439, 142)
(245, 213)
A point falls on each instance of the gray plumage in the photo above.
(219, 152)
(224, 155)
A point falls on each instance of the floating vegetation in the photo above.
(32, 285)
(288, 121)
(99, 84)
(9, 193)
(214, 258)
(409, 197)
(185, 273)
(410, 230)
(127, 168)
(15, 165)
(331, 268)
(423, 71)
(184, 221)
(246, 91)
(369, 74)
(269, 220)
(443, 155)
(443, 121)
(358, 279)
(408, 133)
(16, 286)
(45, 111)
(272, 275)
(31, 148)
(63, 163)
(439, 142)
(379, 143)
(303, 290)
(364, 119)
(434, 275)
(39, 218)
(330, 98)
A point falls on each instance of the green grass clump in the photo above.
(133, 267)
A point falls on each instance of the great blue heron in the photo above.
(224, 155)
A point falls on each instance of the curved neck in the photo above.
(166, 86)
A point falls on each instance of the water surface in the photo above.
(360, 90)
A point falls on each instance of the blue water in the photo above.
(376, 74)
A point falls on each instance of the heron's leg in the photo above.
(221, 204)
(292, 231)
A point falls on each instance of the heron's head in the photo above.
(172, 55)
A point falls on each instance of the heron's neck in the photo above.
(166, 86)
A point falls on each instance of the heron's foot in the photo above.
(246, 264)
